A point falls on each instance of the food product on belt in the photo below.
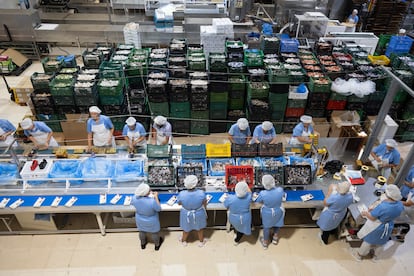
(34, 165)
(43, 164)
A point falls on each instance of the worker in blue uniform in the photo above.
(408, 184)
(134, 134)
(385, 157)
(239, 210)
(264, 133)
(302, 131)
(353, 19)
(100, 129)
(6, 133)
(336, 204)
(147, 207)
(39, 133)
(380, 223)
(193, 214)
(239, 133)
(272, 212)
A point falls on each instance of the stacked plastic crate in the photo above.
(199, 103)
(193, 162)
(297, 100)
(62, 90)
(218, 91)
(157, 83)
(132, 34)
(85, 91)
(319, 93)
(213, 37)
(137, 68)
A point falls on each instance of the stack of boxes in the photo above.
(213, 37)
(132, 34)
(199, 103)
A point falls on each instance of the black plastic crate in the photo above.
(317, 113)
(114, 109)
(270, 150)
(235, 56)
(158, 98)
(279, 88)
(218, 127)
(161, 176)
(183, 171)
(218, 82)
(41, 98)
(355, 106)
(289, 124)
(276, 171)
(179, 96)
(67, 109)
(297, 175)
(180, 127)
(178, 72)
(138, 108)
(136, 93)
(245, 150)
(48, 110)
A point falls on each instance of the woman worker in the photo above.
(353, 20)
(380, 222)
(264, 133)
(6, 133)
(302, 131)
(39, 133)
(161, 131)
(408, 185)
(336, 204)
(272, 212)
(146, 215)
(385, 157)
(239, 206)
(193, 214)
(239, 133)
(100, 129)
(134, 134)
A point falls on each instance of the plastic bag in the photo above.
(128, 170)
(8, 172)
(97, 168)
(353, 86)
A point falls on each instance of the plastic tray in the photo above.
(218, 150)
(161, 176)
(243, 150)
(297, 175)
(235, 174)
(276, 171)
(158, 151)
(217, 166)
(193, 151)
(271, 150)
(183, 171)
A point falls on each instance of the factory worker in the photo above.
(336, 204)
(264, 133)
(353, 19)
(6, 133)
(385, 157)
(39, 133)
(239, 133)
(380, 223)
(161, 131)
(193, 214)
(134, 134)
(407, 188)
(239, 211)
(302, 131)
(100, 129)
(272, 212)
(146, 215)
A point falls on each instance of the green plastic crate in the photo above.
(337, 97)
(51, 66)
(278, 75)
(237, 83)
(115, 90)
(236, 103)
(278, 98)
(63, 100)
(200, 114)
(253, 57)
(111, 70)
(61, 88)
(401, 96)
(86, 100)
(197, 127)
(355, 99)
(219, 97)
(41, 80)
(179, 107)
(111, 100)
(159, 109)
(320, 88)
(258, 90)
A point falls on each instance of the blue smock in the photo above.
(6, 126)
(258, 134)
(240, 216)
(409, 178)
(336, 211)
(146, 215)
(38, 127)
(239, 136)
(354, 18)
(193, 215)
(102, 120)
(300, 128)
(392, 155)
(386, 212)
(272, 212)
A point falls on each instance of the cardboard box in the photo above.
(322, 126)
(340, 118)
(22, 90)
(74, 129)
(388, 129)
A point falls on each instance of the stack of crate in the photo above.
(179, 105)
(295, 106)
(237, 92)
(196, 58)
(62, 90)
(158, 93)
(86, 89)
(218, 91)
(258, 108)
(41, 98)
(406, 128)
(319, 92)
(138, 105)
(278, 93)
(199, 103)
(137, 68)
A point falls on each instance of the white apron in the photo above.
(101, 135)
(41, 138)
(161, 138)
(385, 172)
(368, 227)
(135, 135)
(295, 141)
(8, 140)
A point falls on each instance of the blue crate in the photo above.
(195, 162)
(193, 151)
(128, 170)
(399, 45)
(8, 172)
(222, 162)
(245, 161)
(289, 46)
(66, 169)
(296, 160)
(271, 161)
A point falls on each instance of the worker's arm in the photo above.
(230, 138)
(330, 190)
(409, 183)
(111, 131)
(304, 139)
(248, 139)
(33, 140)
(408, 203)
(49, 136)
(4, 136)
(274, 141)
(375, 156)
(90, 137)
(368, 215)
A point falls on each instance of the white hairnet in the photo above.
(266, 125)
(402, 31)
(160, 120)
(391, 143)
(131, 121)
(26, 123)
(190, 181)
(142, 190)
(306, 119)
(268, 181)
(343, 187)
(241, 189)
(242, 123)
(393, 192)
(355, 11)
(94, 109)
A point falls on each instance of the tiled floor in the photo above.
(298, 253)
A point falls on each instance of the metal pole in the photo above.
(109, 11)
(405, 168)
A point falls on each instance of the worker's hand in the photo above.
(110, 141)
(155, 194)
(3, 137)
(378, 159)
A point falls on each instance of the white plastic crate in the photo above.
(27, 173)
(293, 95)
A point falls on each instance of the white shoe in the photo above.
(234, 240)
(202, 243)
(183, 243)
(265, 246)
(320, 238)
(356, 256)
(275, 240)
